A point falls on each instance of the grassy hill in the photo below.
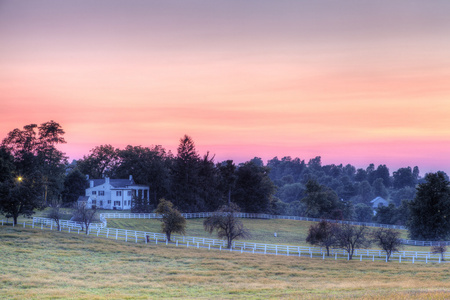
(46, 265)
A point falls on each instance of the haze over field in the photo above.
(355, 82)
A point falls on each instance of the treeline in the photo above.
(35, 174)
(332, 191)
(192, 182)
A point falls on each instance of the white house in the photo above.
(378, 201)
(113, 193)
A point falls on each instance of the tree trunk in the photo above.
(15, 220)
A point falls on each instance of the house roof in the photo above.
(117, 183)
(378, 199)
(83, 199)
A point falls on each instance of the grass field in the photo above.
(48, 265)
(289, 232)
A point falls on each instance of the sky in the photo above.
(351, 81)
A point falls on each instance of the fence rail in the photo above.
(105, 216)
(237, 246)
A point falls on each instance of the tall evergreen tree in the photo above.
(430, 209)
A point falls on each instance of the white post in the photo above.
(399, 258)
(220, 247)
(117, 232)
(187, 245)
(177, 243)
(107, 232)
(23, 224)
(209, 246)
(373, 258)
(413, 259)
(360, 257)
(324, 255)
(167, 242)
(51, 226)
(335, 256)
(126, 235)
(69, 228)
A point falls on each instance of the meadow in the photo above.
(39, 264)
(289, 232)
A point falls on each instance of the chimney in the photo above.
(131, 178)
(91, 183)
(87, 177)
(107, 180)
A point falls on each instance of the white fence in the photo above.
(105, 216)
(237, 246)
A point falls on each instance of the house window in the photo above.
(101, 193)
(109, 201)
(118, 193)
(129, 193)
(129, 202)
(94, 202)
(101, 203)
(116, 203)
(94, 192)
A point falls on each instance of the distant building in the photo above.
(377, 202)
(113, 193)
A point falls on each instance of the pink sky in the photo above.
(354, 82)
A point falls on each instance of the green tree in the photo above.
(320, 201)
(430, 210)
(184, 174)
(19, 193)
(171, 219)
(149, 166)
(228, 175)
(101, 162)
(363, 212)
(226, 224)
(75, 184)
(254, 189)
(36, 153)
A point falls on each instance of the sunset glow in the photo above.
(353, 82)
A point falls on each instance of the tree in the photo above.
(440, 248)
(227, 171)
(226, 224)
(430, 210)
(101, 162)
(322, 234)
(149, 166)
(184, 174)
(75, 184)
(404, 177)
(84, 216)
(388, 240)
(36, 153)
(349, 238)
(363, 212)
(254, 189)
(320, 201)
(171, 218)
(19, 193)
(55, 215)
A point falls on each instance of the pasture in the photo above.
(289, 232)
(39, 264)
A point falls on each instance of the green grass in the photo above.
(52, 265)
(289, 232)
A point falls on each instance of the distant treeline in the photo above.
(195, 182)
